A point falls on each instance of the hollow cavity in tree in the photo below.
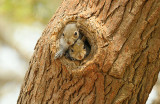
(85, 30)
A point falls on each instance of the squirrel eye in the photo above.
(75, 33)
(63, 34)
(72, 50)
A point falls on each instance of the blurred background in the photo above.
(21, 25)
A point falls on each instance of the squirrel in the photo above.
(69, 36)
(79, 50)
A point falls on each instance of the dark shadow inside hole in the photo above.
(80, 49)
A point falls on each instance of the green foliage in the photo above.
(29, 10)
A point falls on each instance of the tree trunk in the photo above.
(122, 66)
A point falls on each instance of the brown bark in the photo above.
(123, 64)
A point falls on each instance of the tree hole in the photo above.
(88, 36)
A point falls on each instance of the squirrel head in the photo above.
(78, 50)
(70, 33)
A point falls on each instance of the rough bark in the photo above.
(123, 64)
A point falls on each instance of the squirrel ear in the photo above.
(78, 24)
(84, 47)
(77, 29)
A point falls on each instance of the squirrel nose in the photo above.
(68, 42)
(80, 57)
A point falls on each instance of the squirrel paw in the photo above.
(58, 54)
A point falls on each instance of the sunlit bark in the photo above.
(123, 64)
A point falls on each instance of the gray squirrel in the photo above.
(69, 36)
